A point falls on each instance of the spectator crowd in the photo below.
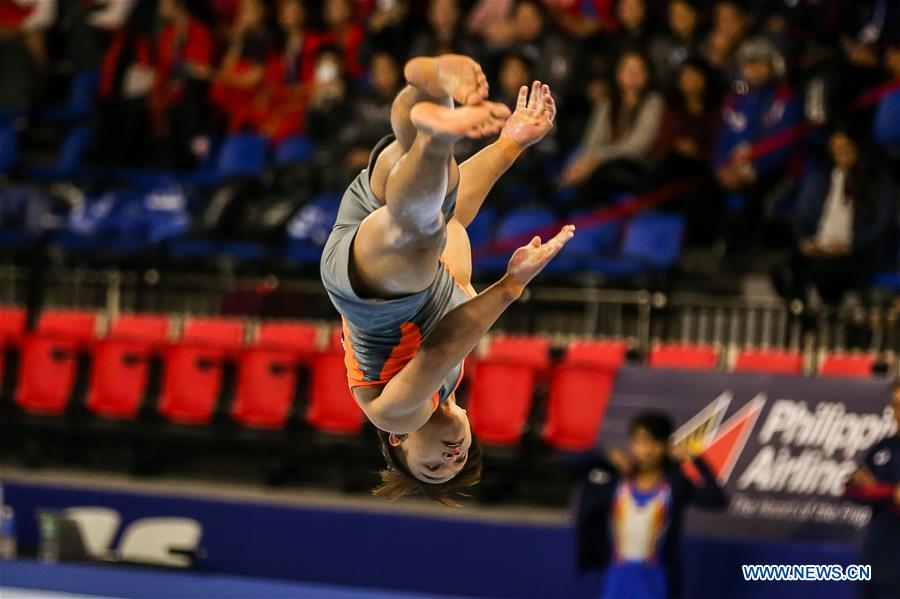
(769, 107)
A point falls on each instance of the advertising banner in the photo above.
(782, 446)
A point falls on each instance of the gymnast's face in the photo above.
(648, 452)
(438, 450)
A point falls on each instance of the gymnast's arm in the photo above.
(530, 123)
(405, 403)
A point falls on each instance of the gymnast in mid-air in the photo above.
(398, 265)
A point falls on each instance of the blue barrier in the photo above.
(455, 554)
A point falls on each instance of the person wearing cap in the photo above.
(758, 132)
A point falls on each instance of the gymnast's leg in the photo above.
(397, 247)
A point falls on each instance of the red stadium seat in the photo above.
(769, 360)
(334, 341)
(12, 324)
(12, 330)
(683, 355)
(848, 364)
(332, 408)
(500, 400)
(524, 349)
(121, 367)
(267, 373)
(49, 362)
(148, 327)
(192, 378)
(604, 353)
(577, 402)
(298, 336)
(227, 333)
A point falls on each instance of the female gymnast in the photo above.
(398, 264)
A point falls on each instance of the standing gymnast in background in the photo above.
(398, 264)
(631, 510)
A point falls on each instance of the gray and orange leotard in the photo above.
(381, 336)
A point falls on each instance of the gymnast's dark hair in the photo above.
(658, 424)
(397, 481)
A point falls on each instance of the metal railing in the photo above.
(641, 317)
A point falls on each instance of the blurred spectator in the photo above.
(526, 181)
(329, 116)
(583, 20)
(892, 61)
(85, 26)
(670, 49)
(692, 119)
(633, 31)
(875, 484)
(280, 110)
(444, 33)
(493, 21)
(341, 31)
(756, 140)
(126, 79)
(390, 28)
(371, 111)
(844, 218)
(529, 30)
(616, 147)
(23, 55)
(550, 53)
(806, 20)
(685, 145)
(241, 71)
(731, 24)
(868, 27)
(178, 98)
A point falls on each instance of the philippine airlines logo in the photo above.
(720, 443)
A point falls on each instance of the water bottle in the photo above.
(8, 545)
(48, 552)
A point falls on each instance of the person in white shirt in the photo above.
(844, 219)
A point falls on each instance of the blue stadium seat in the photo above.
(193, 248)
(655, 238)
(9, 148)
(244, 251)
(652, 243)
(293, 150)
(69, 161)
(889, 280)
(481, 230)
(8, 116)
(886, 124)
(590, 241)
(242, 155)
(81, 101)
(126, 221)
(515, 225)
(309, 229)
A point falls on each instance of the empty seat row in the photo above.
(506, 378)
(269, 374)
(192, 369)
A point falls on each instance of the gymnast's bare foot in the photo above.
(450, 124)
(452, 75)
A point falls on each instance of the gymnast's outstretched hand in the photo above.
(533, 117)
(529, 260)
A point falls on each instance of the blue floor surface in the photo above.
(138, 583)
